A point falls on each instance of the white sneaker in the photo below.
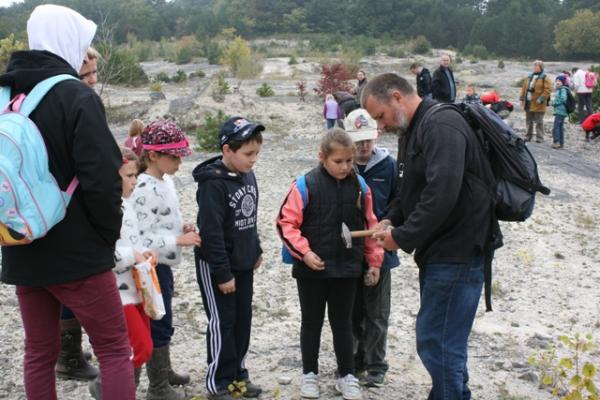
(309, 388)
(349, 388)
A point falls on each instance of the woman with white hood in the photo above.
(72, 263)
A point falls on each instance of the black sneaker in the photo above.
(374, 379)
(221, 395)
(252, 390)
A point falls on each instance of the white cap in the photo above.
(360, 126)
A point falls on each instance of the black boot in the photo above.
(158, 375)
(71, 362)
(176, 379)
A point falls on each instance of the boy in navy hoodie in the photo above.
(372, 303)
(227, 199)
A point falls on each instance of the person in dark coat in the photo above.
(423, 77)
(444, 214)
(72, 264)
(443, 86)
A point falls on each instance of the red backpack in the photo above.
(591, 80)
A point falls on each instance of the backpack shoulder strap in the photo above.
(4, 97)
(39, 91)
(301, 185)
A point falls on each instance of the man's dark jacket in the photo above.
(440, 85)
(424, 82)
(440, 210)
(72, 122)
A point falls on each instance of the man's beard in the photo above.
(401, 126)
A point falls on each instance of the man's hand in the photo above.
(258, 263)
(372, 276)
(383, 225)
(384, 239)
(313, 261)
(227, 287)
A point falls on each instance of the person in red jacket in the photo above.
(591, 126)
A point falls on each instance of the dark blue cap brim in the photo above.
(242, 134)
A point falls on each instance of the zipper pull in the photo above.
(400, 170)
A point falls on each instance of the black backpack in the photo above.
(516, 179)
(570, 104)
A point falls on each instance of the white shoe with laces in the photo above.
(349, 388)
(309, 388)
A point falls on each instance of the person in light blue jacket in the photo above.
(560, 112)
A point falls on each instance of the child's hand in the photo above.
(383, 225)
(189, 228)
(227, 287)
(372, 276)
(150, 254)
(189, 239)
(313, 261)
(258, 263)
(139, 258)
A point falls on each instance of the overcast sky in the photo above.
(6, 3)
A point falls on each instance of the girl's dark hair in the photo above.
(337, 136)
(129, 155)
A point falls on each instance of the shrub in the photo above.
(334, 78)
(184, 55)
(265, 91)
(572, 375)
(162, 77)
(238, 52)
(9, 45)
(208, 133)
(501, 64)
(155, 87)
(478, 51)
(420, 45)
(397, 52)
(121, 68)
(301, 89)
(458, 60)
(292, 61)
(212, 51)
(220, 88)
(180, 76)
(197, 74)
(249, 69)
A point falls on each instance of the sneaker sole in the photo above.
(309, 396)
(347, 398)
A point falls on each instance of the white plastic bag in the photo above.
(146, 283)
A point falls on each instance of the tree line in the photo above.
(511, 28)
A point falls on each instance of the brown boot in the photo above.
(71, 363)
(158, 375)
(176, 379)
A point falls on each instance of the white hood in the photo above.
(60, 31)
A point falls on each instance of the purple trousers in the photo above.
(96, 303)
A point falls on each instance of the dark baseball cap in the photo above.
(238, 129)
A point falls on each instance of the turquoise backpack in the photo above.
(30, 200)
(286, 256)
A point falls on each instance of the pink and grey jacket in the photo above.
(317, 227)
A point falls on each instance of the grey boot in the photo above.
(71, 363)
(176, 379)
(158, 375)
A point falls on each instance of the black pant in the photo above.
(228, 330)
(339, 295)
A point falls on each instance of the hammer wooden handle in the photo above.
(362, 234)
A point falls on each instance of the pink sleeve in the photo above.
(373, 253)
(289, 221)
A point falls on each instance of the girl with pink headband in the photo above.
(162, 230)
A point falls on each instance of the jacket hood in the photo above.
(379, 154)
(60, 31)
(27, 68)
(213, 168)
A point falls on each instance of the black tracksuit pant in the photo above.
(228, 331)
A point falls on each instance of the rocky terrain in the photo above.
(545, 276)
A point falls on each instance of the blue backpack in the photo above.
(286, 256)
(30, 200)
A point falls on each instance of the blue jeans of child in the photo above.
(558, 130)
(330, 123)
(162, 330)
(449, 298)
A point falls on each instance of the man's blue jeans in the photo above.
(449, 297)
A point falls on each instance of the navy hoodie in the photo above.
(227, 217)
(380, 174)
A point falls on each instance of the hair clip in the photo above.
(125, 161)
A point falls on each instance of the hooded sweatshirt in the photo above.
(380, 174)
(72, 122)
(227, 215)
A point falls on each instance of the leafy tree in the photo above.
(236, 54)
(7, 47)
(334, 78)
(579, 36)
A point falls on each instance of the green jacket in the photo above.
(560, 102)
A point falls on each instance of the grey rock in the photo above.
(157, 96)
(181, 105)
(529, 376)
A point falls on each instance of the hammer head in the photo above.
(346, 236)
